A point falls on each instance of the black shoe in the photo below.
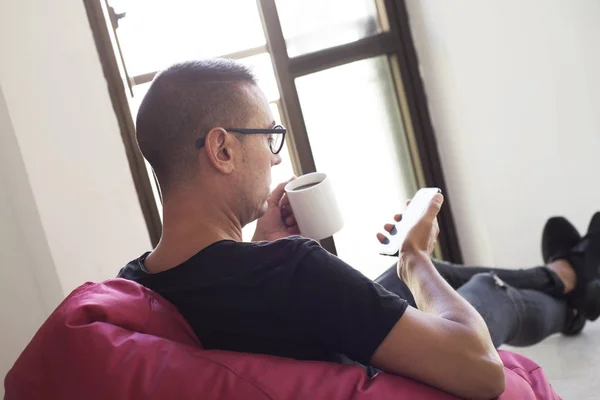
(558, 238)
(585, 260)
(574, 325)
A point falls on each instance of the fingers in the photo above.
(289, 220)
(434, 208)
(278, 193)
(291, 226)
(398, 217)
(287, 214)
(389, 227)
(286, 211)
(285, 206)
(382, 239)
(293, 230)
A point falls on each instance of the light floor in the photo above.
(572, 364)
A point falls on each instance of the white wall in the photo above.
(69, 212)
(69, 139)
(29, 285)
(514, 93)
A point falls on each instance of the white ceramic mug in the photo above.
(314, 205)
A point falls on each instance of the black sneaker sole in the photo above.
(576, 326)
(591, 309)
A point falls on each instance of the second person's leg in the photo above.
(520, 317)
(540, 278)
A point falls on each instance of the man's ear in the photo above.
(219, 147)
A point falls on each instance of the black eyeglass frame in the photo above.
(277, 129)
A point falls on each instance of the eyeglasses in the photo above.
(275, 141)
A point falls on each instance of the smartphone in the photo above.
(417, 207)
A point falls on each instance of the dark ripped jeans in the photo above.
(520, 307)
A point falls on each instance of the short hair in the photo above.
(182, 104)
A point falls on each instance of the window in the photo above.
(156, 33)
(365, 155)
(312, 25)
(338, 73)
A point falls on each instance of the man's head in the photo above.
(198, 100)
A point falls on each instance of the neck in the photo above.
(191, 225)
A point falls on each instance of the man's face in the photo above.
(258, 158)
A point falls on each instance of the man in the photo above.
(207, 130)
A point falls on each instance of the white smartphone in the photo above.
(417, 207)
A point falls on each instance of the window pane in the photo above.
(312, 25)
(156, 33)
(357, 137)
(262, 68)
(139, 91)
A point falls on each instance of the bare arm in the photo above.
(445, 343)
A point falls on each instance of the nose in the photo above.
(275, 160)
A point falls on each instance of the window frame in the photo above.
(395, 41)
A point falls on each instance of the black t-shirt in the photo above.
(288, 298)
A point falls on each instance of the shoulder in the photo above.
(312, 263)
(296, 250)
(288, 244)
(290, 256)
(289, 247)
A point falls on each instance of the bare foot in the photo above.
(565, 272)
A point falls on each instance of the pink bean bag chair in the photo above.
(119, 340)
